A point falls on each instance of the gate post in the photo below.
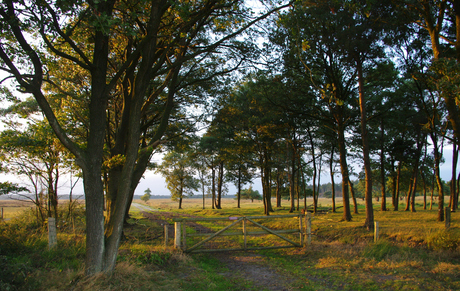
(308, 226)
(244, 233)
(177, 234)
(184, 236)
(376, 231)
(52, 233)
(447, 213)
(166, 234)
(302, 234)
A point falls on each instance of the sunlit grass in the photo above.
(415, 252)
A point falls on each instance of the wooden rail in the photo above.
(181, 235)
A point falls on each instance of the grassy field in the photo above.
(415, 252)
(13, 208)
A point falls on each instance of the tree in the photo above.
(250, 194)
(134, 58)
(34, 153)
(147, 195)
(177, 169)
(311, 60)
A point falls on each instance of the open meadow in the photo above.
(414, 252)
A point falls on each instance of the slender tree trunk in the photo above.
(344, 171)
(213, 190)
(315, 206)
(203, 192)
(437, 159)
(393, 192)
(432, 189)
(353, 197)
(299, 180)
(220, 183)
(414, 191)
(238, 195)
(291, 174)
(409, 192)
(398, 177)
(383, 206)
(422, 175)
(331, 170)
(458, 189)
(453, 181)
(319, 180)
(278, 187)
(369, 223)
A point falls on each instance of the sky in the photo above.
(156, 183)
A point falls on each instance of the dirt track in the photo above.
(242, 266)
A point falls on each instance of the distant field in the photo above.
(12, 208)
(168, 204)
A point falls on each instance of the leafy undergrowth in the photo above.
(415, 252)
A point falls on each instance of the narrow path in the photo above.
(142, 207)
(251, 267)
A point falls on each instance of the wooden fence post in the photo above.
(166, 234)
(177, 234)
(244, 233)
(447, 217)
(376, 231)
(302, 235)
(52, 233)
(308, 226)
(184, 236)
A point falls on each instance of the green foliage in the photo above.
(11, 188)
(147, 195)
(250, 194)
(177, 168)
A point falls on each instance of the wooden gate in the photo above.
(242, 233)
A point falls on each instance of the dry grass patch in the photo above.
(126, 277)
